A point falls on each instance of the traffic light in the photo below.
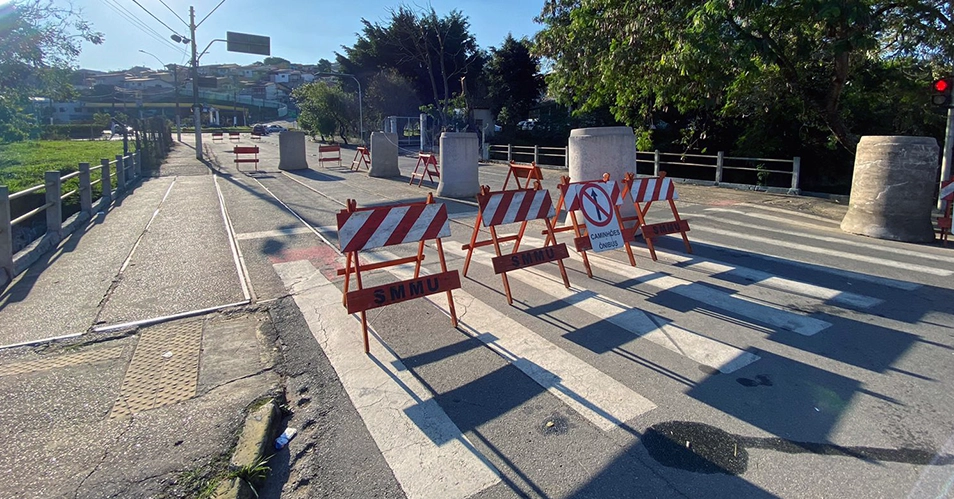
(942, 89)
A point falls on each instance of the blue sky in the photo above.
(300, 31)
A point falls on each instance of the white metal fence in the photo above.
(771, 174)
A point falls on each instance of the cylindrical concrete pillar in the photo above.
(591, 152)
(892, 190)
(291, 147)
(458, 163)
(384, 155)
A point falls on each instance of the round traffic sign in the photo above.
(596, 205)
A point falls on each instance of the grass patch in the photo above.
(22, 164)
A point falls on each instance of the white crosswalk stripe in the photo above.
(911, 267)
(838, 240)
(771, 281)
(701, 349)
(759, 312)
(596, 396)
(428, 455)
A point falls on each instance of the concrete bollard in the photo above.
(85, 189)
(892, 190)
(591, 152)
(107, 185)
(384, 155)
(291, 147)
(458, 164)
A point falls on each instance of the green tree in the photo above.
(734, 59)
(514, 80)
(276, 61)
(390, 94)
(431, 51)
(326, 110)
(39, 41)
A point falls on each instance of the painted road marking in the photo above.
(760, 312)
(790, 212)
(595, 395)
(847, 274)
(781, 284)
(429, 455)
(935, 271)
(701, 349)
(272, 234)
(858, 244)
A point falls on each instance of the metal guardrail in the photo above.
(660, 161)
(126, 170)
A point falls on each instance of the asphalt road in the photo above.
(782, 357)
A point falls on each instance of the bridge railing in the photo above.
(115, 177)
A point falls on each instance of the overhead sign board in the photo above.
(248, 44)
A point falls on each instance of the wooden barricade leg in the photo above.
(641, 215)
(626, 242)
(566, 280)
(473, 243)
(414, 173)
(450, 297)
(347, 282)
(685, 238)
(364, 313)
(503, 275)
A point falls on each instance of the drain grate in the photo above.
(164, 369)
(73, 359)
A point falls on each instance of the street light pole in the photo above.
(196, 110)
(175, 79)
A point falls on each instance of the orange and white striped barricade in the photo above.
(361, 156)
(428, 161)
(509, 207)
(599, 202)
(643, 192)
(519, 171)
(944, 222)
(376, 227)
(330, 152)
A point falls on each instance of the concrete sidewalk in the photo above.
(141, 410)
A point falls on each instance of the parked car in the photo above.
(276, 128)
(259, 130)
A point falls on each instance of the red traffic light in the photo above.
(942, 85)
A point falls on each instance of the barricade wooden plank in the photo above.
(329, 153)
(397, 292)
(217, 137)
(642, 192)
(509, 207)
(529, 258)
(378, 226)
(241, 153)
(234, 136)
(528, 173)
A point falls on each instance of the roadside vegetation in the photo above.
(22, 164)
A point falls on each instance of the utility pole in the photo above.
(946, 161)
(175, 79)
(196, 109)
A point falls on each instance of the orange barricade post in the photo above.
(599, 202)
(427, 160)
(518, 171)
(217, 137)
(241, 153)
(329, 153)
(508, 207)
(361, 156)
(944, 222)
(376, 227)
(644, 191)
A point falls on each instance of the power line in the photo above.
(173, 12)
(210, 13)
(153, 16)
(139, 24)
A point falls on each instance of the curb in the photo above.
(255, 441)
